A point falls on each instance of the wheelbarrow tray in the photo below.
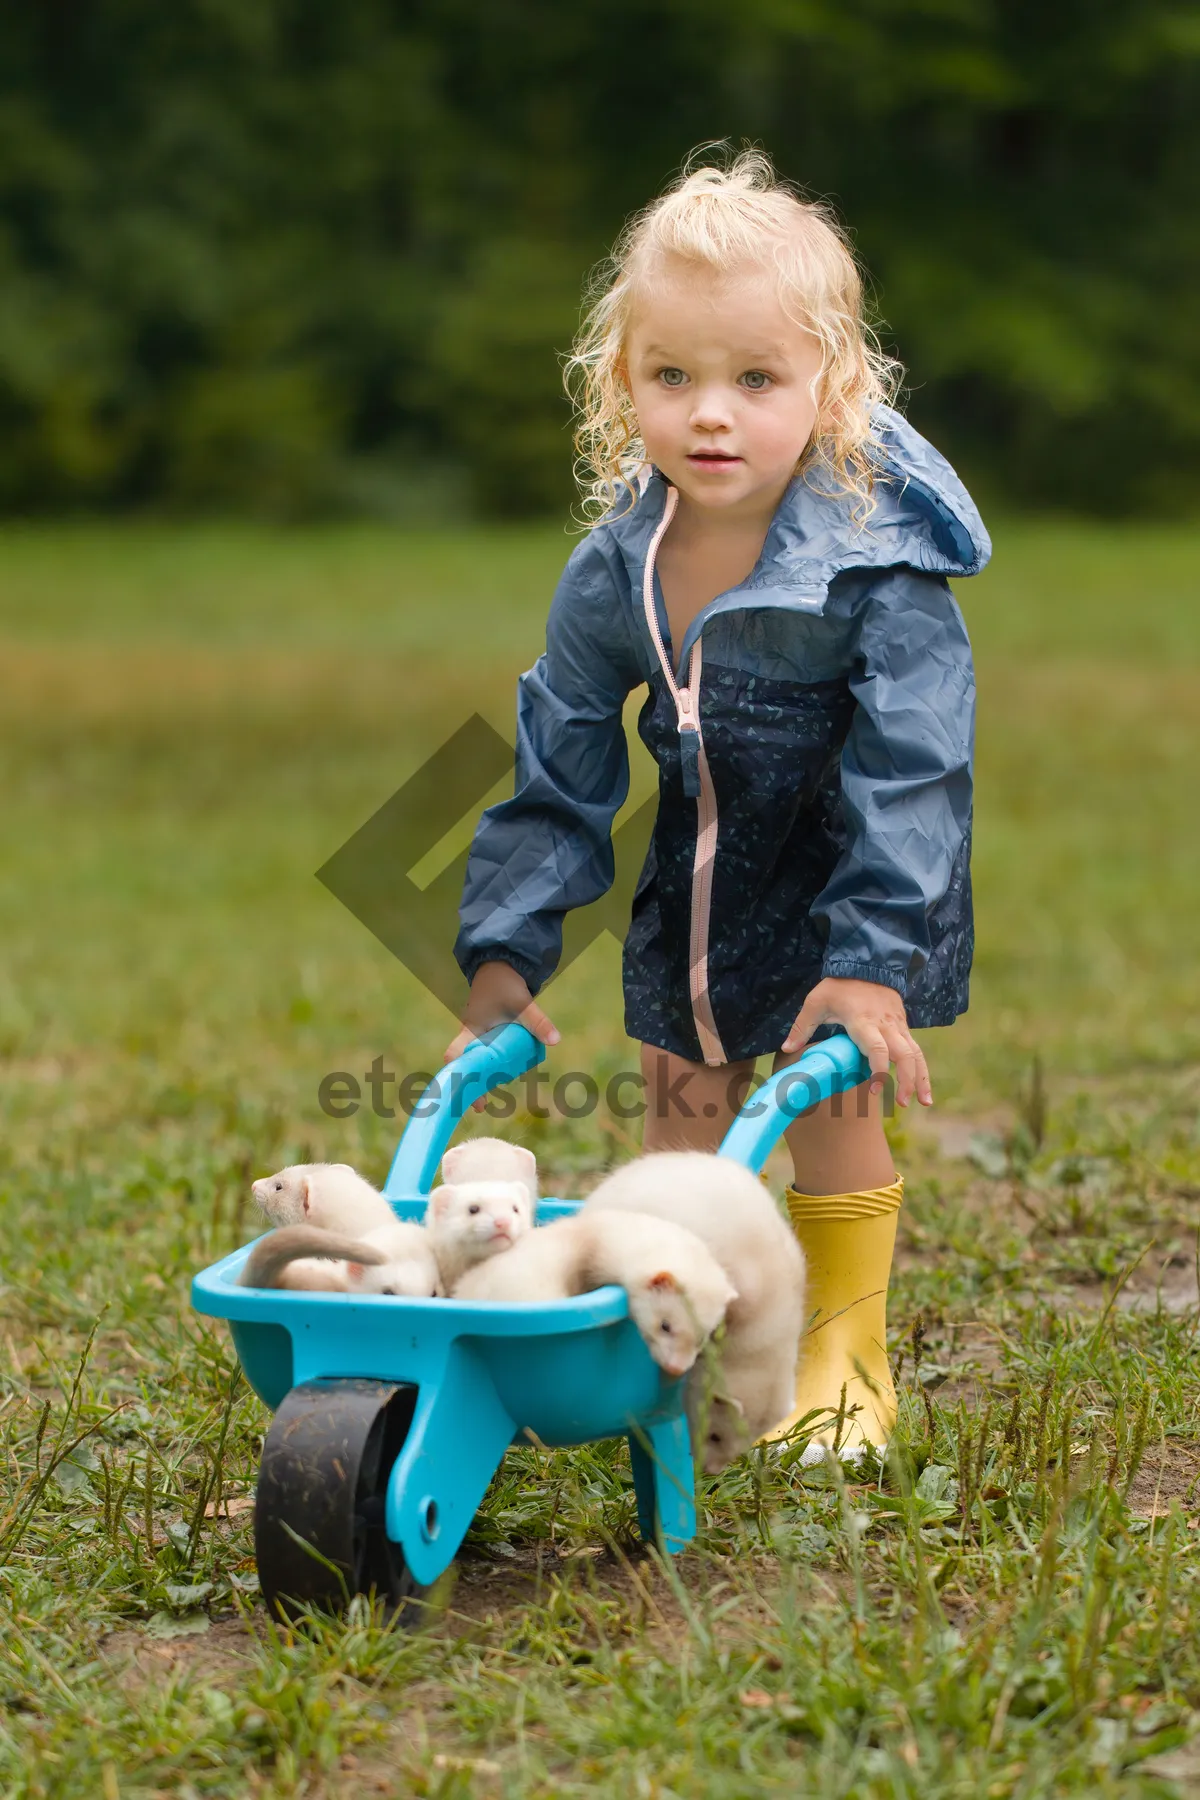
(487, 1375)
(393, 1414)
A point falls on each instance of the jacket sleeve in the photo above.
(906, 774)
(549, 849)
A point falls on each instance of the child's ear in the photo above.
(663, 1283)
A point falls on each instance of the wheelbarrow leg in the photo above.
(458, 1435)
(664, 1482)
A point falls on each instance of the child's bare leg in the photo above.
(690, 1106)
(839, 1147)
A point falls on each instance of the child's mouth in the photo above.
(712, 459)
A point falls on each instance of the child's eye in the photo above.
(672, 378)
(756, 380)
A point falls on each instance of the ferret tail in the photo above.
(272, 1254)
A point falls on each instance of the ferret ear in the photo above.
(305, 1189)
(663, 1283)
(528, 1165)
(354, 1271)
(736, 1404)
(439, 1200)
(450, 1158)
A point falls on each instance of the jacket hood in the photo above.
(925, 505)
(923, 518)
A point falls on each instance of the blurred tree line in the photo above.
(293, 256)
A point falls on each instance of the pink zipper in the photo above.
(687, 719)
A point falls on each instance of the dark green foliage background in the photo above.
(292, 257)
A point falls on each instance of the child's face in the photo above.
(722, 380)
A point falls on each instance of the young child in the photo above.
(771, 562)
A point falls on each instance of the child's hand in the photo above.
(874, 1017)
(498, 995)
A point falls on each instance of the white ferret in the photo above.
(392, 1259)
(485, 1204)
(728, 1207)
(490, 1159)
(678, 1293)
(331, 1195)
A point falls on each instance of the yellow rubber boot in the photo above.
(848, 1240)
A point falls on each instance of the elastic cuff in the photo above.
(845, 968)
(526, 968)
(868, 1203)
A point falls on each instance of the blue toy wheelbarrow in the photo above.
(392, 1414)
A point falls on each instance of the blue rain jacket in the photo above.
(814, 736)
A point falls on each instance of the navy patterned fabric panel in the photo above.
(774, 749)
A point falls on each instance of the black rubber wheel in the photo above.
(322, 1484)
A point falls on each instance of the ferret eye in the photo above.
(390, 1291)
(279, 1187)
(714, 1437)
(664, 1325)
(472, 1209)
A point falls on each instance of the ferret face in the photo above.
(726, 1435)
(284, 1196)
(483, 1217)
(675, 1322)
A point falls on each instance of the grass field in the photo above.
(192, 720)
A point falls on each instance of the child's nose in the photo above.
(711, 411)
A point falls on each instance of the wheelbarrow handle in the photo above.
(489, 1061)
(827, 1068)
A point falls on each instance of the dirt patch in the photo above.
(1170, 1472)
(1167, 1279)
(959, 1362)
(210, 1656)
(634, 1596)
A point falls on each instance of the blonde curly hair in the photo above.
(725, 218)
